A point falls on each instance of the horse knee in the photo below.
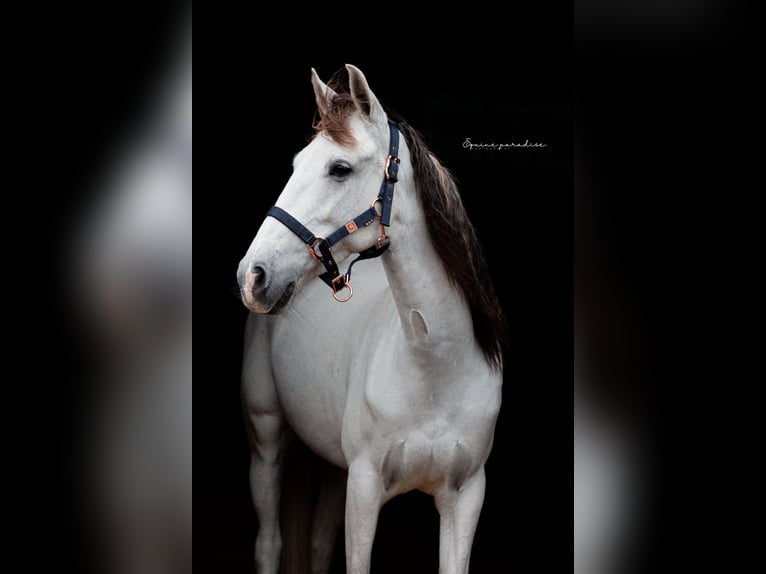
(268, 437)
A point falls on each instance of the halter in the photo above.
(320, 247)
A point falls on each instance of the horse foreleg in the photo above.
(328, 518)
(363, 501)
(459, 510)
(267, 456)
(269, 436)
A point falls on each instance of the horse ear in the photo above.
(365, 100)
(322, 92)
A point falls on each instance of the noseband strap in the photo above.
(292, 224)
(320, 248)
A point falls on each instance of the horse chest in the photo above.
(423, 452)
(420, 433)
(420, 399)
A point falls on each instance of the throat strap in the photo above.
(386, 194)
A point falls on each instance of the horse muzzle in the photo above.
(261, 293)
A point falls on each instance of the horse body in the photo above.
(340, 403)
(391, 386)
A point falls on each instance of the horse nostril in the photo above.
(258, 275)
(254, 281)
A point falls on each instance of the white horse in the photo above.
(401, 385)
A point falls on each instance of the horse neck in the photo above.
(435, 318)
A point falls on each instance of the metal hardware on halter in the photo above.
(346, 285)
(383, 237)
(339, 279)
(343, 299)
(332, 275)
(389, 176)
(311, 247)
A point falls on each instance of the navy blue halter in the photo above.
(320, 248)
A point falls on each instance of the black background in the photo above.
(508, 84)
(492, 78)
(670, 126)
(86, 81)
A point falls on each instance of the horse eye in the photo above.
(340, 170)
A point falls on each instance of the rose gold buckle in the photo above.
(311, 247)
(372, 205)
(388, 163)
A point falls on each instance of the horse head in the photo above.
(334, 177)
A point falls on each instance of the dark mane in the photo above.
(449, 228)
(454, 237)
